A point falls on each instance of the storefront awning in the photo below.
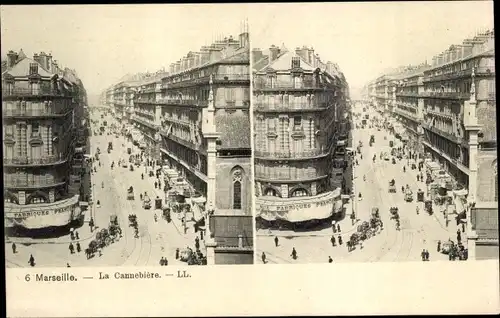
(298, 209)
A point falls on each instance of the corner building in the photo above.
(300, 126)
(42, 107)
(204, 134)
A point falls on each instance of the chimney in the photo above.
(49, 63)
(244, 39)
(215, 54)
(11, 59)
(310, 56)
(43, 58)
(257, 55)
(275, 51)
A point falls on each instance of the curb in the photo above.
(51, 242)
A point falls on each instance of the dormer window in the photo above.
(33, 68)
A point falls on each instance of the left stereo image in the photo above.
(126, 147)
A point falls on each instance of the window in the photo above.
(9, 130)
(237, 177)
(35, 129)
(297, 82)
(300, 192)
(270, 192)
(33, 68)
(297, 122)
(271, 124)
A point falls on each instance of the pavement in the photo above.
(417, 232)
(156, 239)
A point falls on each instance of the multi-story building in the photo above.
(195, 119)
(300, 130)
(43, 131)
(205, 135)
(460, 126)
(409, 105)
(123, 101)
(454, 102)
(146, 117)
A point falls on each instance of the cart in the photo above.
(392, 186)
(408, 195)
(130, 193)
(420, 196)
(146, 203)
(113, 219)
(428, 206)
(394, 211)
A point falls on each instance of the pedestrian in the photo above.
(177, 253)
(72, 235)
(340, 240)
(78, 247)
(427, 254)
(77, 236)
(165, 262)
(418, 178)
(333, 240)
(404, 168)
(67, 265)
(159, 184)
(338, 228)
(330, 260)
(197, 243)
(353, 218)
(14, 248)
(263, 257)
(91, 224)
(422, 255)
(439, 246)
(156, 184)
(276, 241)
(463, 227)
(31, 261)
(459, 236)
(71, 248)
(294, 253)
(162, 261)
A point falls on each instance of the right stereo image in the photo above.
(365, 155)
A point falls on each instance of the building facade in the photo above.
(195, 120)
(300, 130)
(453, 100)
(43, 133)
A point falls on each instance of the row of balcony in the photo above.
(407, 94)
(442, 133)
(290, 154)
(45, 160)
(261, 85)
(42, 91)
(291, 107)
(294, 177)
(24, 183)
(406, 114)
(221, 78)
(187, 143)
(144, 122)
(450, 95)
(478, 71)
(47, 112)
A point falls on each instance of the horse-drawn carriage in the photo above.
(408, 195)
(191, 257)
(392, 186)
(130, 193)
(132, 220)
(113, 219)
(394, 211)
(146, 202)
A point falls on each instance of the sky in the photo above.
(105, 42)
(364, 38)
